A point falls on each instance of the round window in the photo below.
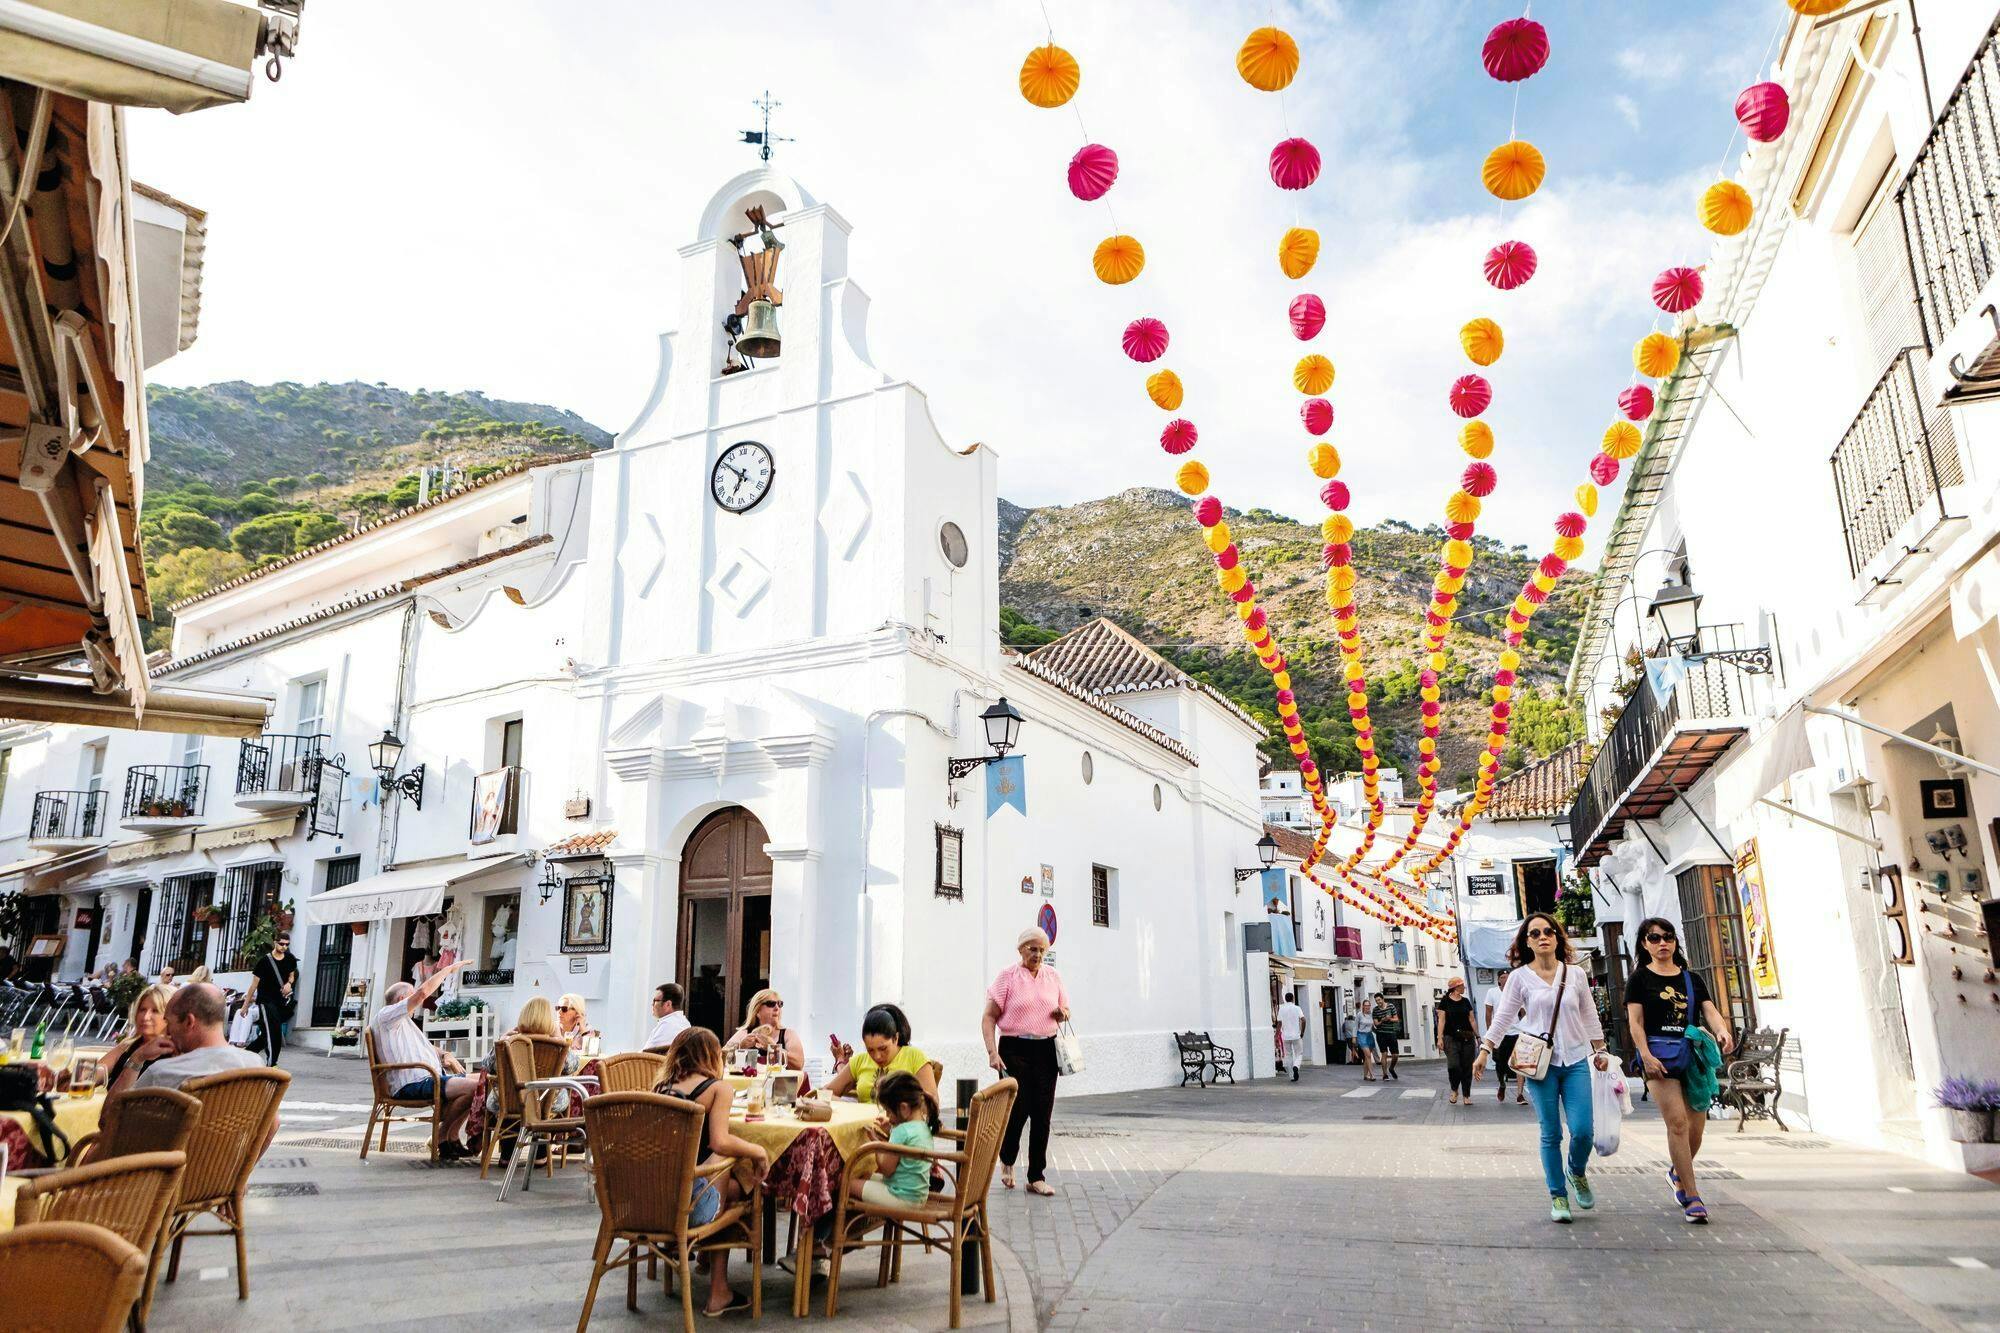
(951, 540)
(1156, 795)
(1089, 768)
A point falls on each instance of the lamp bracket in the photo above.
(958, 768)
(1750, 661)
(1242, 874)
(409, 786)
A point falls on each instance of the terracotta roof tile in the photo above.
(1103, 659)
(1290, 841)
(582, 844)
(1043, 671)
(1542, 790)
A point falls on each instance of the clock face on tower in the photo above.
(742, 477)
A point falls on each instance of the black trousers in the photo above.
(1031, 1062)
(275, 1021)
(1459, 1048)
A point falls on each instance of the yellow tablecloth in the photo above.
(849, 1127)
(75, 1116)
(8, 1189)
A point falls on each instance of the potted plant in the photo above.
(358, 927)
(1968, 1106)
(215, 916)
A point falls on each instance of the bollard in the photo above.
(970, 1269)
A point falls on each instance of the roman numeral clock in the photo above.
(742, 477)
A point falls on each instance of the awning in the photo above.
(145, 849)
(48, 878)
(180, 55)
(23, 867)
(1298, 969)
(406, 891)
(38, 699)
(255, 830)
(1766, 765)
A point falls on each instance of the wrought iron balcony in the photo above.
(1891, 466)
(1947, 200)
(1656, 750)
(64, 818)
(274, 771)
(163, 796)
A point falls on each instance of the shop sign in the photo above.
(1479, 885)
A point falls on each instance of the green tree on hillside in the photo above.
(176, 529)
(182, 574)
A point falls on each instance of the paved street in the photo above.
(1271, 1206)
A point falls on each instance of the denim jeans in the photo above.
(1563, 1094)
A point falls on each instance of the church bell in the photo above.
(759, 338)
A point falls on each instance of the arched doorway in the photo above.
(725, 921)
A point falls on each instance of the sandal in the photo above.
(1006, 1177)
(1041, 1187)
(738, 1303)
(1695, 1210)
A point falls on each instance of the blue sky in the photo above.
(497, 207)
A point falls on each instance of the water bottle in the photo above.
(41, 1035)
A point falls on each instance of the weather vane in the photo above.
(764, 139)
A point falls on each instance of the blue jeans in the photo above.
(1563, 1094)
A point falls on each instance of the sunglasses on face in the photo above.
(564, 1009)
(1541, 934)
(774, 1004)
(1657, 938)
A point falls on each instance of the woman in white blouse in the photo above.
(1559, 1006)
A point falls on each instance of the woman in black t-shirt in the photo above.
(1657, 1005)
(1458, 1039)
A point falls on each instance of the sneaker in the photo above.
(1581, 1188)
(1559, 1208)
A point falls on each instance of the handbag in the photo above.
(20, 1090)
(1069, 1050)
(1532, 1054)
(1674, 1053)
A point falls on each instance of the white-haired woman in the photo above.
(573, 1025)
(1023, 1006)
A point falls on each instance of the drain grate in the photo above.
(1792, 1143)
(421, 1146)
(283, 1163)
(1379, 1117)
(295, 1189)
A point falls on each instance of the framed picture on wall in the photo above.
(1944, 798)
(586, 916)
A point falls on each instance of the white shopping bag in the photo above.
(1069, 1050)
(1609, 1101)
(243, 1028)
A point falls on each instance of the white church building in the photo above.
(684, 709)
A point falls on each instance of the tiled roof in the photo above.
(583, 844)
(1104, 659)
(1043, 671)
(491, 478)
(1542, 790)
(1290, 841)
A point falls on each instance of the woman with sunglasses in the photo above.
(1553, 1001)
(764, 1030)
(1659, 1000)
(573, 1025)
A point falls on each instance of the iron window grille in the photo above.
(1894, 462)
(250, 892)
(1950, 221)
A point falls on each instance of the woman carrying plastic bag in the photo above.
(1610, 1103)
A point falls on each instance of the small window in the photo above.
(312, 706)
(951, 540)
(190, 751)
(1103, 895)
(93, 765)
(510, 744)
(1158, 797)
(1089, 768)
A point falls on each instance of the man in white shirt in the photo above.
(398, 1041)
(1292, 1028)
(669, 1021)
(1489, 1002)
(193, 1044)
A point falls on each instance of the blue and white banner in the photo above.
(1007, 784)
(1664, 673)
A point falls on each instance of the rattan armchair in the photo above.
(384, 1104)
(524, 1060)
(631, 1071)
(946, 1221)
(645, 1145)
(70, 1275)
(547, 1062)
(128, 1195)
(239, 1114)
(139, 1120)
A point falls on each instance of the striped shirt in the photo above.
(399, 1041)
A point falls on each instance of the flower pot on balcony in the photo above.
(1969, 1126)
(358, 927)
(214, 916)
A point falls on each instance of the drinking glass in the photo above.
(62, 1053)
(17, 1045)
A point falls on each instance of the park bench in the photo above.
(1203, 1061)
(1750, 1078)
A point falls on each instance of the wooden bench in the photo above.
(1204, 1061)
(1750, 1083)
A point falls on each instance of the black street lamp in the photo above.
(1267, 852)
(1003, 728)
(383, 755)
(1676, 608)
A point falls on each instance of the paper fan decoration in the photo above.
(1193, 478)
(1763, 110)
(1118, 260)
(1313, 374)
(1636, 402)
(1656, 355)
(1470, 395)
(1515, 50)
(1460, 507)
(1268, 59)
(1726, 208)
(1586, 497)
(1812, 9)
(1049, 76)
(1308, 316)
(1317, 413)
(1336, 528)
(1677, 289)
(1092, 172)
(1603, 469)
(1514, 170)
(1509, 264)
(1481, 340)
(1179, 436)
(1621, 440)
(1476, 438)
(1324, 460)
(1164, 388)
(1208, 511)
(1479, 479)
(1294, 164)
(1145, 339)
(1298, 250)
(1569, 525)
(1334, 495)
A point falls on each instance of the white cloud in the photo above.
(1655, 63)
(1627, 108)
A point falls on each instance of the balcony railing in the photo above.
(278, 766)
(1947, 201)
(67, 816)
(165, 791)
(1893, 462)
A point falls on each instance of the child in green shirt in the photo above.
(913, 1117)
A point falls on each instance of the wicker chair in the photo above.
(71, 1276)
(645, 1145)
(549, 1054)
(239, 1114)
(139, 1120)
(945, 1221)
(385, 1104)
(632, 1071)
(521, 1061)
(128, 1195)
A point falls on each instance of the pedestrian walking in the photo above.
(1023, 1006)
(1388, 1036)
(1292, 1028)
(1364, 1034)
(273, 986)
(1556, 1007)
(1458, 1039)
(1504, 1073)
(1661, 1001)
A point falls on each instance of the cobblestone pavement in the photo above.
(1270, 1206)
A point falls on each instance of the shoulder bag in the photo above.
(20, 1092)
(1673, 1053)
(1069, 1050)
(1531, 1054)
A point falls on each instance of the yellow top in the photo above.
(908, 1061)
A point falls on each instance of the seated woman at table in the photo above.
(694, 1071)
(573, 1024)
(145, 1040)
(763, 1029)
(885, 1049)
(538, 1019)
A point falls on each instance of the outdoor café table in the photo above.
(9, 1187)
(806, 1162)
(75, 1117)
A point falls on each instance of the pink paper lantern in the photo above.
(1308, 315)
(1603, 469)
(1294, 164)
(1179, 436)
(1208, 511)
(1227, 558)
(1145, 339)
(1257, 619)
(1509, 264)
(1339, 552)
(1092, 172)
(1329, 556)
(1763, 110)
(1458, 532)
(1479, 479)
(1334, 494)
(1552, 566)
(1537, 596)
(1286, 698)
(1470, 395)
(1503, 678)
(1317, 413)
(1677, 289)
(1637, 402)
(1572, 523)
(1243, 594)
(1516, 49)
